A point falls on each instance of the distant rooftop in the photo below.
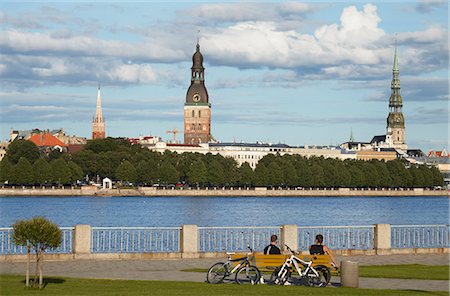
(258, 145)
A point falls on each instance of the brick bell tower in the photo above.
(197, 109)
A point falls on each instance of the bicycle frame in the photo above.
(293, 260)
(244, 261)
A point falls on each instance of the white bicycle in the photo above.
(317, 276)
(246, 273)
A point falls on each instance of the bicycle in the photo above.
(246, 273)
(318, 276)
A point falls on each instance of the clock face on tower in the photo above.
(196, 98)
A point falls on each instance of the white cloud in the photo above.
(425, 6)
(247, 11)
(354, 40)
(36, 42)
(132, 73)
(432, 34)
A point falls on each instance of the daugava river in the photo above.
(227, 211)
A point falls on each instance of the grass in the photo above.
(14, 285)
(406, 271)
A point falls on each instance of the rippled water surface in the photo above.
(226, 211)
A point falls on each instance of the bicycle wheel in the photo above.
(248, 275)
(277, 278)
(217, 273)
(319, 281)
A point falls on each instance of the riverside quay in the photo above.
(191, 241)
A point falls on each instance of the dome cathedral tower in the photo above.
(197, 109)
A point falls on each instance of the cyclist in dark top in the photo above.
(272, 248)
(320, 249)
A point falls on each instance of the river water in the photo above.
(226, 211)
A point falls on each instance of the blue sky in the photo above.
(300, 73)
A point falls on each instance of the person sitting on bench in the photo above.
(320, 249)
(272, 248)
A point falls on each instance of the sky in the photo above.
(300, 73)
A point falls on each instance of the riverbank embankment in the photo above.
(254, 192)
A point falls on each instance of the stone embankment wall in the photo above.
(152, 191)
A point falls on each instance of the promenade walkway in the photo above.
(170, 270)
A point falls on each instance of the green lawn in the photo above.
(14, 285)
(406, 271)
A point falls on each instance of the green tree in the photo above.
(22, 148)
(61, 173)
(197, 173)
(289, 174)
(76, 173)
(37, 234)
(274, 174)
(438, 178)
(126, 172)
(245, 174)
(6, 170)
(55, 154)
(261, 175)
(168, 174)
(144, 172)
(42, 171)
(22, 172)
(215, 175)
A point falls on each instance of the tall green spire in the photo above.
(395, 68)
(395, 101)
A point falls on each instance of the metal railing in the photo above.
(420, 236)
(135, 239)
(220, 239)
(337, 237)
(8, 247)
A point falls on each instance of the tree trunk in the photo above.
(36, 270)
(41, 261)
(27, 275)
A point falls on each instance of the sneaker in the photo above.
(261, 281)
(287, 283)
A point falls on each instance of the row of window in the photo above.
(194, 127)
(199, 113)
(247, 156)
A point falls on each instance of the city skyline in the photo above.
(325, 69)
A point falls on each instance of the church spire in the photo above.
(98, 112)
(395, 101)
(98, 123)
(395, 68)
(395, 129)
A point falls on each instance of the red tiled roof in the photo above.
(46, 140)
(74, 148)
(442, 153)
(182, 145)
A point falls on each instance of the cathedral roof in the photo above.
(46, 140)
(197, 58)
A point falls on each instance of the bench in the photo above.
(270, 262)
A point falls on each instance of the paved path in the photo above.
(169, 270)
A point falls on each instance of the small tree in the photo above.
(37, 234)
(5, 170)
(22, 172)
(126, 172)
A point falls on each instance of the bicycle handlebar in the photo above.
(289, 249)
